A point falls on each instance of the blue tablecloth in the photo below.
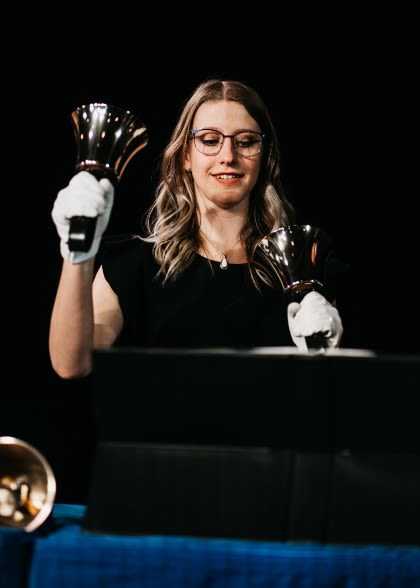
(61, 554)
(15, 557)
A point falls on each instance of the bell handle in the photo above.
(317, 341)
(82, 228)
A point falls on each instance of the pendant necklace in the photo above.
(224, 262)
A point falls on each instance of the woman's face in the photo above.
(225, 179)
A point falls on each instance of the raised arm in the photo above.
(85, 313)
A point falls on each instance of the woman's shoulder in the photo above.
(123, 246)
(125, 254)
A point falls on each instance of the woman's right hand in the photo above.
(84, 196)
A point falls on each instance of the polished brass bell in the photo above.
(107, 138)
(297, 255)
(27, 485)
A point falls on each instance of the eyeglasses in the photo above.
(210, 141)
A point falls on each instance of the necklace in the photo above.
(223, 262)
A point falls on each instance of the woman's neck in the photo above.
(220, 249)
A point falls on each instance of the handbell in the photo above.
(107, 138)
(297, 255)
(27, 485)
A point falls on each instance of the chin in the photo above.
(228, 200)
(228, 203)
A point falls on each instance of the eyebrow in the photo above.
(220, 131)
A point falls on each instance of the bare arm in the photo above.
(84, 316)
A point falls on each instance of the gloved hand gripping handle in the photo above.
(82, 228)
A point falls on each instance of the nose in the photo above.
(227, 152)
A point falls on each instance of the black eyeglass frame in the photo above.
(194, 132)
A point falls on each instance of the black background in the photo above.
(339, 88)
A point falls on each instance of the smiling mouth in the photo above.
(227, 176)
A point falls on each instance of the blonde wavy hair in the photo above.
(172, 222)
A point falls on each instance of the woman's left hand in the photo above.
(314, 314)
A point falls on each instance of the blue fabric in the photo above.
(15, 545)
(67, 557)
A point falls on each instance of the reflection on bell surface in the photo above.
(27, 485)
(297, 256)
(107, 137)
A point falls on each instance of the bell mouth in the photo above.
(27, 485)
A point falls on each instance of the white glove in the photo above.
(84, 196)
(314, 314)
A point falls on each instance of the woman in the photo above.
(198, 277)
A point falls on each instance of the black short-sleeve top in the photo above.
(206, 306)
